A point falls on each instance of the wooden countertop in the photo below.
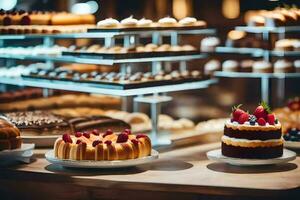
(184, 171)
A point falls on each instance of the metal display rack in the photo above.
(266, 55)
(129, 38)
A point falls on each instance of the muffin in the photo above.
(230, 66)
(246, 65)
(283, 66)
(211, 66)
(209, 44)
(262, 67)
(297, 65)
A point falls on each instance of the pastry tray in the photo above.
(130, 54)
(150, 28)
(123, 86)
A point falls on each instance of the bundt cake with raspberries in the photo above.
(9, 135)
(102, 146)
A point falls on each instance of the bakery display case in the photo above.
(119, 100)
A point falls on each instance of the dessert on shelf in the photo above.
(108, 23)
(287, 44)
(262, 67)
(120, 80)
(129, 22)
(212, 66)
(283, 66)
(9, 135)
(274, 18)
(136, 49)
(230, 66)
(289, 117)
(165, 22)
(24, 101)
(41, 22)
(38, 123)
(254, 136)
(98, 146)
(209, 44)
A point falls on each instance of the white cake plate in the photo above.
(22, 154)
(41, 141)
(216, 155)
(292, 144)
(100, 164)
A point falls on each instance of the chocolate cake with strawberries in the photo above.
(254, 136)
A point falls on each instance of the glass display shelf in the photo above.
(255, 75)
(104, 88)
(263, 29)
(256, 52)
(107, 34)
(90, 60)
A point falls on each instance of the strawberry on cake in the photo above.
(256, 135)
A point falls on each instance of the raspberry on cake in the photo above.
(102, 146)
(256, 136)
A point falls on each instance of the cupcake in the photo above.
(108, 23)
(144, 22)
(230, 66)
(188, 21)
(246, 65)
(209, 44)
(297, 65)
(262, 67)
(211, 66)
(129, 22)
(284, 45)
(167, 21)
(283, 66)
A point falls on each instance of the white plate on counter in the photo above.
(101, 164)
(216, 155)
(22, 154)
(41, 141)
(292, 144)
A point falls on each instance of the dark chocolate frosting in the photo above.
(252, 135)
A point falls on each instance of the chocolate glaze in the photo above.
(254, 153)
(252, 135)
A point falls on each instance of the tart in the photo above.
(102, 146)
(256, 136)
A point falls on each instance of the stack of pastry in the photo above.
(60, 101)
(138, 49)
(274, 18)
(38, 22)
(131, 22)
